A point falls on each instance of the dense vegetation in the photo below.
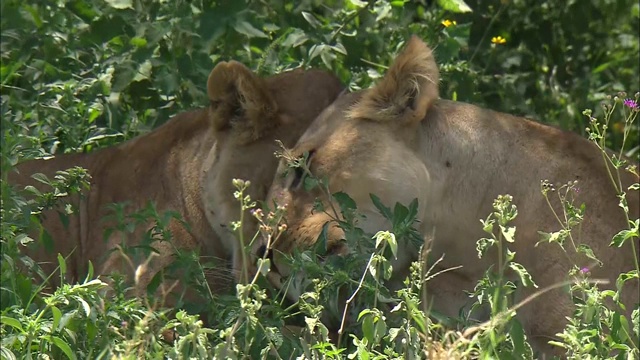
(83, 74)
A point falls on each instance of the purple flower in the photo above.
(584, 270)
(630, 103)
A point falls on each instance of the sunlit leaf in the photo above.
(120, 4)
(458, 6)
(62, 345)
(249, 30)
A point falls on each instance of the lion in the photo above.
(186, 165)
(399, 141)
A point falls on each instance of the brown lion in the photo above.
(186, 165)
(399, 141)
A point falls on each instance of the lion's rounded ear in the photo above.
(240, 100)
(407, 91)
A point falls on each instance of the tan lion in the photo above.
(186, 165)
(398, 140)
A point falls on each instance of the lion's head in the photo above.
(358, 144)
(248, 114)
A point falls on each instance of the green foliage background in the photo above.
(80, 74)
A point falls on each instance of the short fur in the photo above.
(407, 91)
(186, 165)
(456, 160)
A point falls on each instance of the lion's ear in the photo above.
(240, 100)
(407, 90)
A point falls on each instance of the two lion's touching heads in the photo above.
(397, 140)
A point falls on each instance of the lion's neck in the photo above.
(473, 155)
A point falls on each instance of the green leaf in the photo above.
(83, 10)
(586, 250)
(624, 277)
(295, 39)
(85, 305)
(487, 225)
(62, 345)
(522, 272)
(144, 71)
(400, 215)
(482, 245)
(138, 42)
(24, 288)
(63, 265)
(327, 57)
(316, 50)
(379, 237)
(517, 337)
(413, 211)
(6, 354)
(509, 233)
(601, 68)
(368, 329)
(363, 313)
(64, 219)
(39, 177)
(620, 238)
(387, 270)
(32, 190)
(457, 6)
(339, 48)
(57, 314)
(320, 246)
(398, 3)
(309, 183)
(89, 271)
(390, 239)
(247, 29)
(358, 3)
(91, 330)
(46, 240)
(385, 211)
(34, 14)
(311, 20)
(14, 323)
(23, 239)
(373, 269)
(620, 328)
(393, 245)
(122, 77)
(120, 4)
(345, 201)
(264, 265)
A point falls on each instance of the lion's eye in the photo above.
(299, 176)
(300, 172)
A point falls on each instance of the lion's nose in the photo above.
(262, 251)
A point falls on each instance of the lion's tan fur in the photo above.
(186, 165)
(456, 161)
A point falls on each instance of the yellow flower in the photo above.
(447, 23)
(498, 40)
(618, 127)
